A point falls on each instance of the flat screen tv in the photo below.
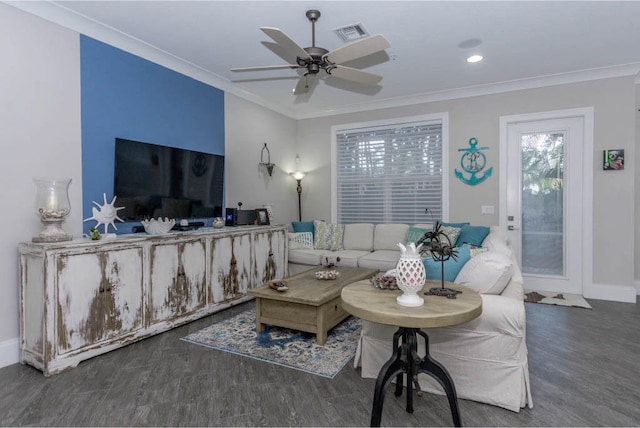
(153, 181)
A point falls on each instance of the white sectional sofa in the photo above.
(487, 357)
(364, 245)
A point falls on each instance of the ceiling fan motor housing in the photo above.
(316, 63)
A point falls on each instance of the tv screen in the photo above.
(154, 181)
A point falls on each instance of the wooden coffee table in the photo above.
(310, 304)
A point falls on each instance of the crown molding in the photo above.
(493, 88)
(58, 14)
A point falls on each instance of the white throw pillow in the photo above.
(486, 273)
(300, 240)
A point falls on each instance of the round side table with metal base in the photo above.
(376, 305)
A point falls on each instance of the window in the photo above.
(390, 172)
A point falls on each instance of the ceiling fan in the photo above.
(314, 59)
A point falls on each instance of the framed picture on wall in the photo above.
(262, 216)
(613, 159)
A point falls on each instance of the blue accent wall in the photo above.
(125, 96)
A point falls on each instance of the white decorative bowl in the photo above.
(158, 227)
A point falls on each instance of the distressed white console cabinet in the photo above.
(82, 298)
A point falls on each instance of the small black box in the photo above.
(231, 217)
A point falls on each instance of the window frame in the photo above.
(443, 118)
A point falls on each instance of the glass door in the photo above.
(544, 201)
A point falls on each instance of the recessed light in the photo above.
(474, 58)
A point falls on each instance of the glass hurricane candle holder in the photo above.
(52, 206)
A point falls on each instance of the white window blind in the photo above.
(389, 174)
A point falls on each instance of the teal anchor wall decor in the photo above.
(473, 161)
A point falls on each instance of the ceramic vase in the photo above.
(410, 275)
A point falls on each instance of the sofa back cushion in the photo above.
(387, 236)
(358, 236)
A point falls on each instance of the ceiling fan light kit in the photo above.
(315, 58)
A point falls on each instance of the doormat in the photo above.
(554, 298)
(285, 347)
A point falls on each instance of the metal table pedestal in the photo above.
(405, 359)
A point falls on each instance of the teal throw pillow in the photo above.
(451, 267)
(473, 235)
(303, 226)
(328, 236)
(414, 234)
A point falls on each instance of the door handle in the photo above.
(512, 228)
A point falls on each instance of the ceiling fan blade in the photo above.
(355, 75)
(286, 42)
(266, 67)
(305, 84)
(358, 49)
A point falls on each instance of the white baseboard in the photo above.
(637, 284)
(615, 293)
(9, 352)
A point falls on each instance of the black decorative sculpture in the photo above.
(437, 242)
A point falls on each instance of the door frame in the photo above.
(586, 114)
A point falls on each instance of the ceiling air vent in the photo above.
(351, 32)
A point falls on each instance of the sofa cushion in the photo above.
(414, 234)
(348, 257)
(307, 256)
(451, 267)
(382, 260)
(300, 240)
(387, 236)
(487, 273)
(358, 236)
(328, 236)
(473, 235)
(302, 226)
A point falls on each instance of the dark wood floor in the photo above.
(584, 366)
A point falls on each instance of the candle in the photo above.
(52, 200)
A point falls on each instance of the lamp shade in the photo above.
(298, 175)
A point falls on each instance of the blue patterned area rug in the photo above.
(289, 348)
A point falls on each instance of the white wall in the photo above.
(614, 106)
(39, 137)
(247, 127)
